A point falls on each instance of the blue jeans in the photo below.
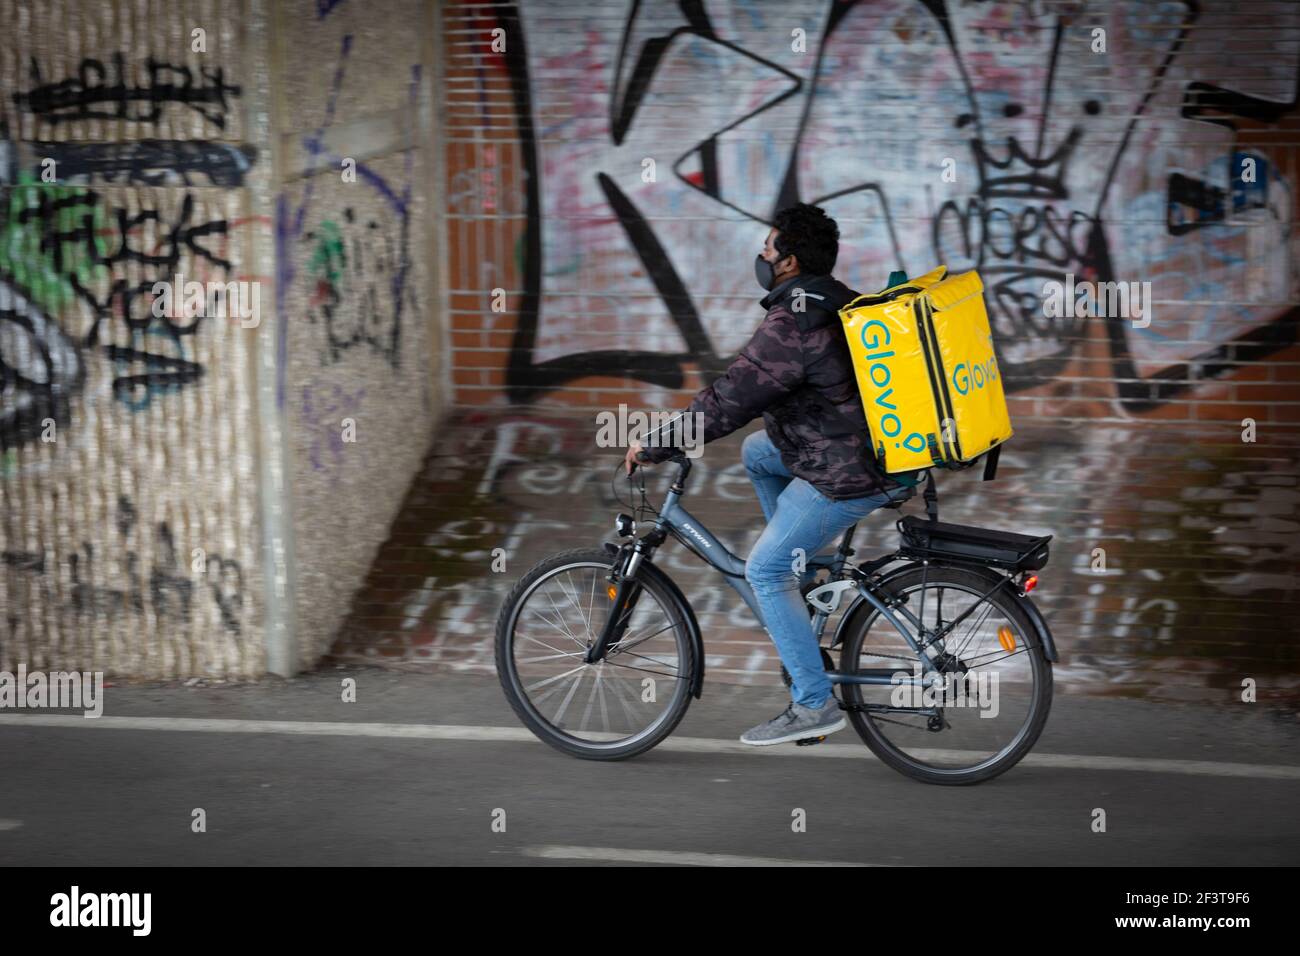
(798, 517)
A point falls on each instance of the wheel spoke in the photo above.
(973, 629)
(560, 627)
(644, 670)
(538, 640)
(977, 731)
(604, 712)
(559, 714)
(552, 680)
(548, 657)
(548, 679)
(573, 599)
(616, 693)
(652, 660)
(624, 643)
(591, 699)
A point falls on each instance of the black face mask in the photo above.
(764, 272)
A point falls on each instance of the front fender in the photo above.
(692, 625)
(860, 606)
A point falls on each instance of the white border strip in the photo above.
(605, 854)
(697, 745)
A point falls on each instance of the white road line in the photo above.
(614, 855)
(697, 745)
(309, 728)
(10, 824)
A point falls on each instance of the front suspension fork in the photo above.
(628, 592)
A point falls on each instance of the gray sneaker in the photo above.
(795, 723)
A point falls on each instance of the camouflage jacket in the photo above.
(796, 372)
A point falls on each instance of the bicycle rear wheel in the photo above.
(611, 710)
(997, 680)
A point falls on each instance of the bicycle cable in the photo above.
(639, 512)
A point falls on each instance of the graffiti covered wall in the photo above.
(129, 529)
(610, 171)
(976, 134)
(186, 492)
(354, 262)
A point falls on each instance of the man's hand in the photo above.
(629, 460)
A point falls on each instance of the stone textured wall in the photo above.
(146, 460)
(355, 268)
(129, 532)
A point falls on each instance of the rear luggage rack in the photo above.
(936, 540)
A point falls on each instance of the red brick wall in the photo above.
(1174, 99)
(1123, 164)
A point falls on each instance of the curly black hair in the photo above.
(807, 233)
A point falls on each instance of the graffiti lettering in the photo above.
(146, 162)
(79, 96)
(166, 592)
(360, 287)
(62, 245)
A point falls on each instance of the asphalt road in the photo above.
(338, 783)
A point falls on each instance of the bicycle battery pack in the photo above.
(936, 540)
(923, 357)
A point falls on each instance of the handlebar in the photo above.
(683, 462)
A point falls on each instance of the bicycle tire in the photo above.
(508, 675)
(1041, 704)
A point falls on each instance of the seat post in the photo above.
(846, 542)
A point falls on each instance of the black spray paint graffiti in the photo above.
(332, 251)
(1018, 196)
(58, 244)
(1017, 247)
(360, 288)
(82, 96)
(40, 370)
(146, 162)
(168, 592)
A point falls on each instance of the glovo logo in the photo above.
(875, 337)
(974, 375)
(968, 375)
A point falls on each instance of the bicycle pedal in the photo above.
(809, 741)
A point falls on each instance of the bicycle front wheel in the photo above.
(997, 681)
(614, 709)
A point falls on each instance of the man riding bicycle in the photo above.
(813, 466)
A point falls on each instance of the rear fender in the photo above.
(861, 607)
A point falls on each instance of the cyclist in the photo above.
(812, 467)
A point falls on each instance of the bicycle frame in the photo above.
(674, 519)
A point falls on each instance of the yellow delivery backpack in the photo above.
(923, 355)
